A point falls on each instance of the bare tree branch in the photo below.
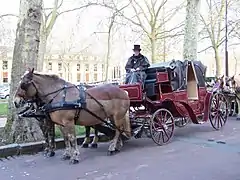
(205, 49)
(7, 15)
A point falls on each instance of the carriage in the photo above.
(173, 94)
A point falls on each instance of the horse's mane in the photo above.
(52, 76)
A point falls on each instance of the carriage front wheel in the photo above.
(162, 126)
(218, 112)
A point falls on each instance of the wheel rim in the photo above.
(162, 126)
(218, 111)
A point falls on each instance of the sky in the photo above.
(77, 29)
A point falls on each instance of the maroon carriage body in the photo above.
(176, 89)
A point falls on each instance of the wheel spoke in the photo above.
(163, 137)
(165, 132)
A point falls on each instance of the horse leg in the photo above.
(51, 136)
(87, 137)
(116, 144)
(95, 139)
(234, 108)
(67, 151)
(45, 129)
(126, 130)
(238, 102)
(73, 143)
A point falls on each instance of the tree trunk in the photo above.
(42, 50)
(106, 67)
(153, 50)
(191, 30)
(219, 64)
(108, 55)
(25, 54)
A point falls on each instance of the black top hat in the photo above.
(137, 47)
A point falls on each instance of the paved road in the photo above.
(194, 154)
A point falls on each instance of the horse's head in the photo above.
(231, 82)
(26, 89)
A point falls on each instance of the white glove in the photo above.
(132, 70)
(138, 69)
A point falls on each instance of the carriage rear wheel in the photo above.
(218, 112)
(162, 126)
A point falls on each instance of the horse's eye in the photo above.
(24, 86)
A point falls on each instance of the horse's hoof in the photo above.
(45, 154)
(84, 145)
(111, 153)
(74, 161)
(238, 118)
(51, 154)
(94, 146)
(64, 158)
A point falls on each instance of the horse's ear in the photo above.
(32, 70)
(222, 76)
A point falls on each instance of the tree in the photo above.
(147, 17)
(109, 42)
(49, 18)
(191, 30)
(109, 36)
(214, 29)
(25, 54)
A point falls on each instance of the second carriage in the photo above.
(173, 93)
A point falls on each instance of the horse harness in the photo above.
(77, 105)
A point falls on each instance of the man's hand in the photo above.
(132, 70)
(137, 69)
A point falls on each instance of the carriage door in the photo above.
(192, 82)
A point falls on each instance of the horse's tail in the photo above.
(126, 125)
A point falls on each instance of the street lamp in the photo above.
(226, 39)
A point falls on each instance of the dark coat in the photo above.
(135, 62)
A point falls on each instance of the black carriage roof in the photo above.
(163, 66)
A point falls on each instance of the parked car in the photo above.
(4, 93)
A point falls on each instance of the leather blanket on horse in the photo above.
(65, 105)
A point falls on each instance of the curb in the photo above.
(35, 147)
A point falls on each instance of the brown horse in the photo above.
(33, 109)
(101, 102)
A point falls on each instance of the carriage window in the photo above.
(50, 66)
(78, 67)
(95, 67)
(59, 66)
(5, 65)
(86, 67)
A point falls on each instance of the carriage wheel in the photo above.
(162, 126)
(218, 112)
(181, 122)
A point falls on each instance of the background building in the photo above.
(72, 67)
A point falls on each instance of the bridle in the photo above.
(37, 97)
